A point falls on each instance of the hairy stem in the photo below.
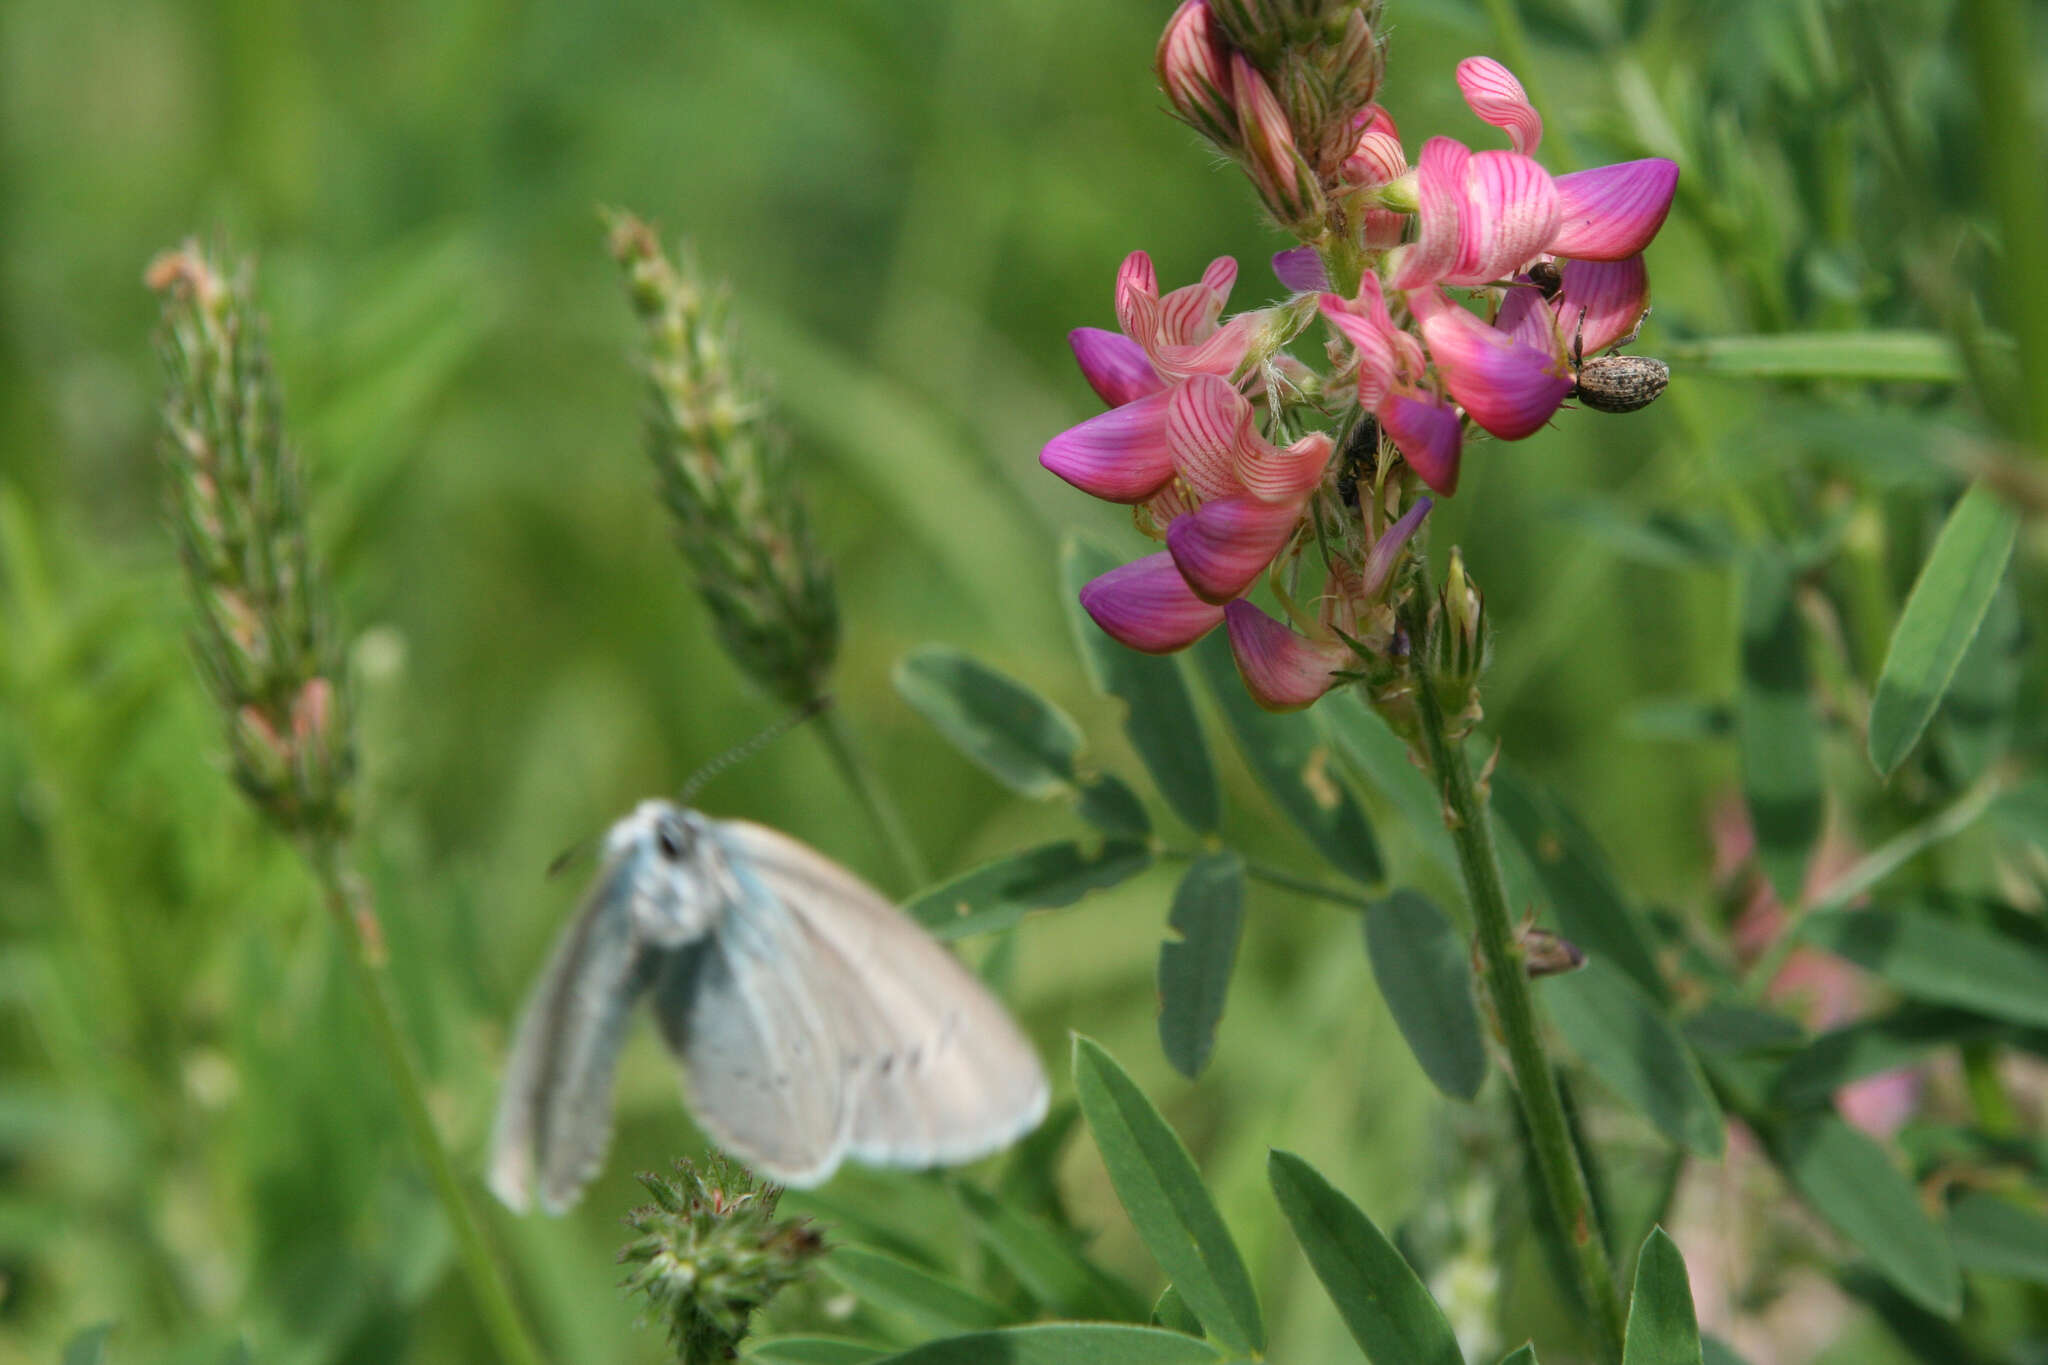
(355, 921)
(874, 799)
(1564, 1180)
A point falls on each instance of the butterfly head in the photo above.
(671, 870)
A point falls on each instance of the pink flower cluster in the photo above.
(1556, 262)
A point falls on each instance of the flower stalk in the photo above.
(266, 648)
(1514, 1004)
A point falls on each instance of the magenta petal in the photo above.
(1222, 547)
(1440, 192)
(1366, 325)
(1283, 671)
(1145, 604)
(1114, 365)
(1429, 436)
(1610, 295)
(1121, 455)
(1510, 213)
(1496, 96)
(1613, 211)
(1301, 270)
(1386, 551)
(1508, 387)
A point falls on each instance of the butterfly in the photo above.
(814, 1020)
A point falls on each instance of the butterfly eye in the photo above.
(670, 839)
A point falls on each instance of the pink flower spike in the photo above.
(1146, 605)
(1613, 211)
(1610, 295)
(1386, 551)
(1301, 270)
(1114, 365)
(1508, 387)
(1440, 190)
(1208, 428)
(1122, 455)
(1283, 671)
(1222, 547)
(1496, 96)
(1510, 212)
(1429, 436)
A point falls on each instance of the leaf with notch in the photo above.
(1195, 966)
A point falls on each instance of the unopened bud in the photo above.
(1457, 637)
(1194, 71)
(1285, 180)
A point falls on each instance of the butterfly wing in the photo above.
(554, 1116)
(927, 1066)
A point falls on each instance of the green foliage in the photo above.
(1661, 1327)
(1424, 970)
(1195, 966)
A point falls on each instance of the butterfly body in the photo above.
(813, 1019)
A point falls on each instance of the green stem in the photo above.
(1871, 869)
(882, 812)
(1514, 1005)
(2000, 57)
(354, 920)
(1277, 876)
(1514, 54)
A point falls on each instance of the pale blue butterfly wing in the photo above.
(554, 1116)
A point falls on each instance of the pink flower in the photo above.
(1282, 670)
(1598, 304)
(1147, 605)
(1505, 384)
(1114, 365)
(1496, 96)
(1391, 370)
(1119, 456)
(1179, 333)
(1484, 215)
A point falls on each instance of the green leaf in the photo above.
(1577, 880)
(1023, 740)
(1921, 357)
(1666, 539)
(1045, 1260)
(1626, 1041)
(1157, 1183)
(1850, 1182)
(1976, 718)
(1880, 1043)
(1382, 757)
(1935, 958)
(998, 894)
(1159, 714)
(1999, 1237)
(1525, 1354)
(1718, 1352)
(1293, 762)
(1940, 618)
(813, 1351)
(933, 1301)
(1112, 807)
(1171, 1312)
(1777, 727)
(1425, 975)
(1062, 1343)
(1737, 1029)
(1661, 1327)
(1195, 964)
(1380, 1297)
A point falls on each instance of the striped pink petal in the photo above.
(1609, 295)
(1509, 213)
(1147, 605)
(1114, 365)
(1429, 436)
(1365, 324)
(1189, 313)
(1440, 193)
(1376, 160)
(1283, 473)
(1220, 353)
(1613, 211)
(1122, 455)
(1301, 270)
(1496, 96)
(1208, 427)
(1282, 670)
(1508, 387)
(1223, 546)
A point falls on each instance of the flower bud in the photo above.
(1194, 71)
(1457, 643)
(1284, 179)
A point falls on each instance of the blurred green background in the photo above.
(913, 203)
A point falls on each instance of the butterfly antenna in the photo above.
(562, 861)
(748, 748)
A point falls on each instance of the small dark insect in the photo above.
(1547, 278)
(1360, 460)
(1616, 383)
